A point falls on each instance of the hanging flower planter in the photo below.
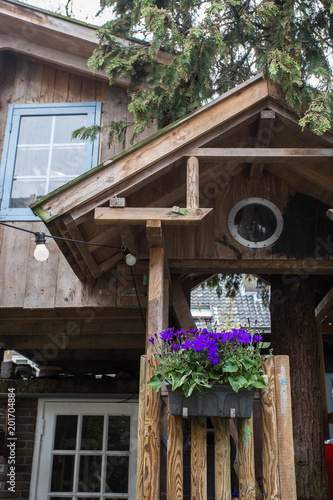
(210, 373)
(217, 401)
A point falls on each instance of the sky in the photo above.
(84, 10)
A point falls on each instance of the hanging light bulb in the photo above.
(41, 252)
(129, 258)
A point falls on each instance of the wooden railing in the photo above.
(277, 447)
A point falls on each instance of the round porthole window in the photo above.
(255, 222)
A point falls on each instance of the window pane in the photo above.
(31, 161)
(117, 475)
(35, 130)
(65, 434)
(119, 433)
(90, 473)
(25, 191)
(92, 432)
(67, 160)
(65, 125)
(62, 473)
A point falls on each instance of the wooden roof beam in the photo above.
(324, 306)
(140, 215)
(109, 341)
(252, 266)
(324, 182)
(258, 155)
(83, 250)
(264, 138)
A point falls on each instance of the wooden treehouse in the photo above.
(235, 187)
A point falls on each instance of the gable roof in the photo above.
(151, 173)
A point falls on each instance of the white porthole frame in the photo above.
(253, 244)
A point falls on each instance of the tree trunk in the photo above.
(294, 334)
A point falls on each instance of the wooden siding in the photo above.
(24, 282)
(27, 283)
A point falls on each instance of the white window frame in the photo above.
(15, 112)
(48, 409)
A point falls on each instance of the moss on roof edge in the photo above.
(45, 215)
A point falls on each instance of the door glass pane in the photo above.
(92, 432)
(90, 473)
(65, 433)
(62, 473)
(65, 125)
(35, 130)
(117, 475)
(119, 433)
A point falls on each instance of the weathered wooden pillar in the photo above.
(155, 316)
(284, 428)
(192, 191)
(270, 452)
(222, 458)
(141, 428)
(247, 478)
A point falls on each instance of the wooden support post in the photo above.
(222, 458)
(192, 194)
(198, 458)
(270, 456)
(141, 428)
(247, 486)
(322, 381)
(152, 438)
(285, 428)
(175, 457)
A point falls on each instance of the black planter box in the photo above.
(218, 401)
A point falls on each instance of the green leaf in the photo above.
(156, 382)
(178, 378)
(230, 366)
(237, 383)
(248, 362)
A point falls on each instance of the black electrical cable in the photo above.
(137, 296)
(122, 248)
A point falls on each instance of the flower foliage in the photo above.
(198, 358)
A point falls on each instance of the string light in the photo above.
(41, 252)
(129, 258)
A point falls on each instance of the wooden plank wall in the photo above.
(23, 281)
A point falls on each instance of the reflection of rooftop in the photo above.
(230, 312)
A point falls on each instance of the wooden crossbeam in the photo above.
(139, 215)
(253, 266)
(258, 155)
(63, 341)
